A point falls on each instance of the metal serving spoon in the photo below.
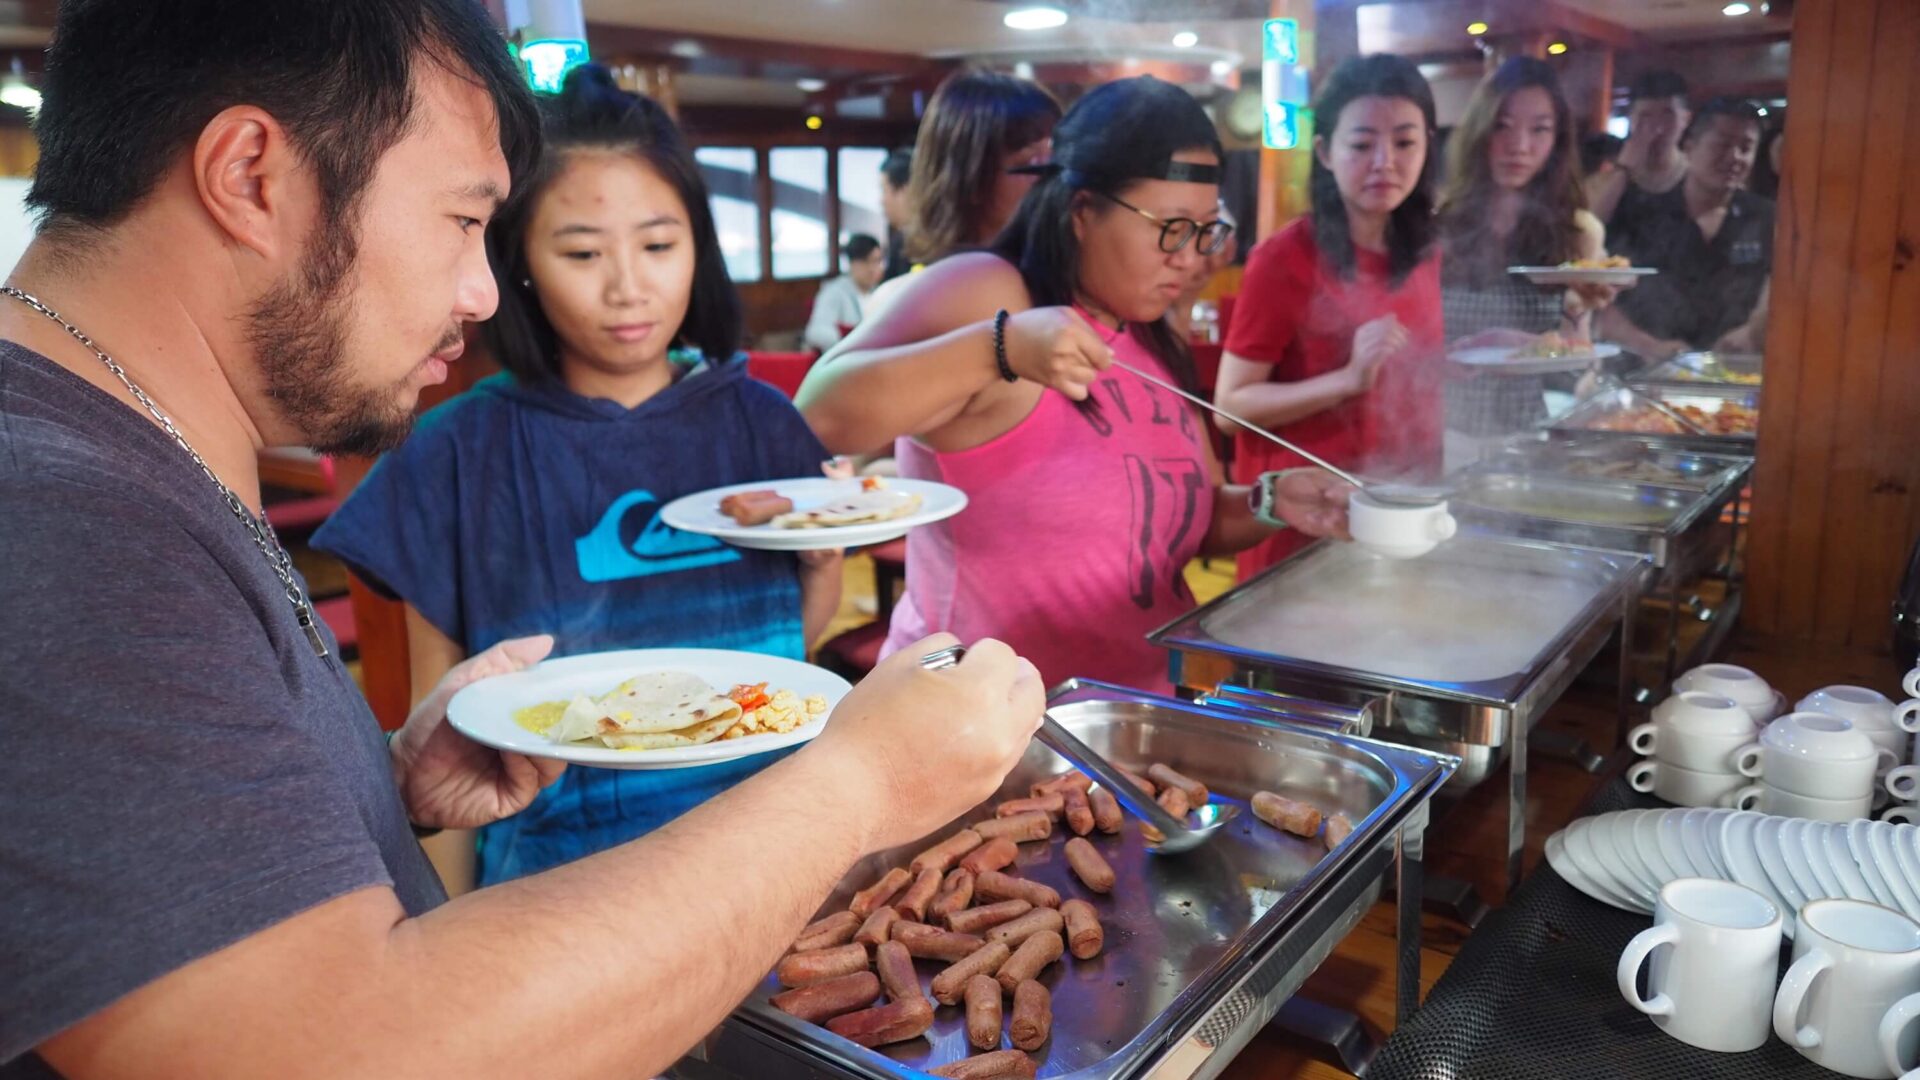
(1175, 835)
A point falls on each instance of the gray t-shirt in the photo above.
(178, 770)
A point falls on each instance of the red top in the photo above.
(1297, 314)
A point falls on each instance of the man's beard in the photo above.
(298, 331)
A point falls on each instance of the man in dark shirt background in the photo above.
(1711, 240)
(894, 174)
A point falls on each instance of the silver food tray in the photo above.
(1610, 457)
(1599, 408)
(1694, 369)
(1189, 938)
(1647, 518)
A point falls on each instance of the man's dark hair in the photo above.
(1598, 149)
(1658, 83)
(898, 168)
(1741, 109)
(591, 112)
(860, 246)
(130, 84)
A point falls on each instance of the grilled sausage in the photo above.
(876, 896)
(999, 1065)
(1048, 804)
(1338, 829)
(1174, 801)
(983, 1012)
(895, 966)
(1089, 866)
(931, 943)
(1030, 959)
(994, 885)
(1020, 828)
(975, 920)
(942, 855)
(1078, 811)
(891, 1023)
(956, 892)
(986, 960)
(995, 854)
(819, 965)
(1039, 920)
(1298, 818)
(836, 929)
(1165, 777)
(1032, 1016)
(912, 904)
(816, 1002)
(1084, 934)
(1061, 783)
(1139, 781)
(877, 927)
(1106, 810)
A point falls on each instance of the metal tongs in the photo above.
(1175, 836)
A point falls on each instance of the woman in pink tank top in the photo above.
(1090, 488)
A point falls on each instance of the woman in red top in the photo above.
(1337, 342)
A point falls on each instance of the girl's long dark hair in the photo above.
(975, 119)
(1119, 131)
(1546, 233)
(591, 111)
(1410, 226)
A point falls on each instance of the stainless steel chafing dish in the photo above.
(1617, 515)
(1201, 948)
(1694, 369)
(1459, 651)
(1609, 458)
(1622, 410)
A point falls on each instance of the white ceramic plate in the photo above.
(1673, 845)
(1778, 839)
(1906, 853)
(700, 513)
(1646, 836)
(1861, 849)
(1511, 360)
(1700, 831)
(1744, 861)
(484, 711)
(1580, 848)
(1567, 275)
(1813, 839)
(1622, 854)
(1880, 838)
(1853, 882)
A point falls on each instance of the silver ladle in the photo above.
(1176, 836)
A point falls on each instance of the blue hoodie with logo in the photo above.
(519, 509)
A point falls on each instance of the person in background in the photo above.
(1512, 198)
(528, 504)
(1650, 161)
(1090, 489)
(842, 300)
(1337, 340)
(980, 128)
(1180, 315)
(207, 862)
(1599, 154)
(1711, 240)
(895, 173)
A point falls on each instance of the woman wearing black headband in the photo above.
(1090, 487)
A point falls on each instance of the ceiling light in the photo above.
(1557, 48)
(1762, 110)
(1736, 9)
(814, 123)
(15, 91)
(1222, 68)
(1035, 18)
(811, 86)
(1476, 28)
(1185, 39)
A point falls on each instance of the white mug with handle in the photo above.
(1853, 962)
(1710, 956)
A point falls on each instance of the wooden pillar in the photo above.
(1587, 79)
(1837, 485)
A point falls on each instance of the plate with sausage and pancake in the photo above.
(814, 513)
(650, 708)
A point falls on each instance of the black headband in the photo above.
(1183, 171)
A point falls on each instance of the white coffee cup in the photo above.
(1906, 715)
(1897, 1042)
(1747, 689)
(1768, 799)
(1398, 532)
(1696, 731)
(1904, 813)
(1869, 711)
(1816, 755)
(1852, 961)
(1903, 783)
(1714, 947)
(1911, 684)
(1683, 787)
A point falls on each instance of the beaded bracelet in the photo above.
(1000, 346)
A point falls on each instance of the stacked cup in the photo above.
(1903, 782)
(1811, 765)
(1871, 713)
(1747, 689)
(1693, 745)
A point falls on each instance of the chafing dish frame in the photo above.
(1576, 419)
(1669, 373)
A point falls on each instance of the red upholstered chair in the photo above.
(853, 653)
(785, 370)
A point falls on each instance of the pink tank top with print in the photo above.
(1078, 526)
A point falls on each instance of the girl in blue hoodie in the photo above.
(528, 505)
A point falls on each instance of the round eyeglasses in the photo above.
(1177, 233)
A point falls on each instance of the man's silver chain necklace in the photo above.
(259, 529)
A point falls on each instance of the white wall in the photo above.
(16, 225)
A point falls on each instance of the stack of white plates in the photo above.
(1624, 858)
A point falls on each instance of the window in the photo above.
(860, 193)
(799, 211)
(730, 173)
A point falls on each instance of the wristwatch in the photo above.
(1260, 499)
